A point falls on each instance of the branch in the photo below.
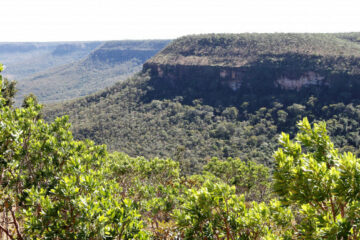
(333, 209)
(7, 232)
(320, 205)
(16, 224)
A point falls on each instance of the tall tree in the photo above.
(324, 184)
(8, 89)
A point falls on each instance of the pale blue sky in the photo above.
(69, 20)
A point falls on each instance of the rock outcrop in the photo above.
(306, 80)
(232, 78)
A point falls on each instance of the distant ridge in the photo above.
(25, 59)
(108, 63)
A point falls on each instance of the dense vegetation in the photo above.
(53, 187)
(236, 50)
(208, 168)
(123, 118)
(184, 110)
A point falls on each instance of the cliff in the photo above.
(242, 66)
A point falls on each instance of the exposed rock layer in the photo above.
(233, 78)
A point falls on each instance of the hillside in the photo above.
(164, 112)
(54, 187)
(194, 133)
(109, 63)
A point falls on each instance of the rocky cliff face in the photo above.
(180, 75)
(305, 80)
(245, 66)
(218, 85)
(231, 77)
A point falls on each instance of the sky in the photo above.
(79, 20)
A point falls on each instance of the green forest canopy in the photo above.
(194, 133)
(54, 187)
(191, 116)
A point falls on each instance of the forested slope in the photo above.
(230, 105)
(54, 187)
(194, 133)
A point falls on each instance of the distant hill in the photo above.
(227, 69)
(226, 96)
(24, 59)
(86, 70)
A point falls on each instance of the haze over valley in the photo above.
(65, 70)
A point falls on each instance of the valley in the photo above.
(61, 71)
(209, 136)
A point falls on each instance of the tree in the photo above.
(27, 98)
(249, 178)
(319, 181)
(215, 212)
(8, 89)
(153, 185)
(54, 187)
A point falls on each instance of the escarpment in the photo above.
(226, 69)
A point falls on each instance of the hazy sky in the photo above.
(58, 20)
